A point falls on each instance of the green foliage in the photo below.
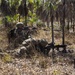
(30, 9)
(0, 22)
(15, 17)
(11, 19)
(31, 1)
(56, 72)
(44, 11)
(6, 58)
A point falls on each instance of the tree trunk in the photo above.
(73, 26)
(52, 17)
(63, 26)
(19, 18)
(68, 26)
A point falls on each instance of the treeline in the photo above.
(31, 11)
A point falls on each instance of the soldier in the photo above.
(19, 28)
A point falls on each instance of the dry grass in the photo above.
(69, 37)
(3, 38)
(38, 64)
(43, 35)
(70, 40)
